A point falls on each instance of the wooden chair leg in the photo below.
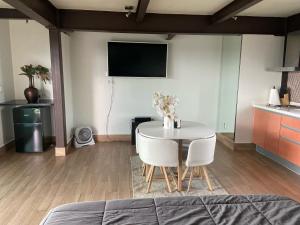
(173, 177)
(161, 170)
(190, 181)
(151, 172)
(144, 170)
(200, 172)
(184, 173)
(148, 173)
(207, 178)
(167, 179)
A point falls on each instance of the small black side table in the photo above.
(134, 123)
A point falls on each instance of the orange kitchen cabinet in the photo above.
(266, 129)
(290, 122)
(289, 150)
(259, 127)
(290, 134)
(272, 132)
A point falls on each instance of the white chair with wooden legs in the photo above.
(201, 153)
(158, 153)
(144, 166)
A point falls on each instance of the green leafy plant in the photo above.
(28, 70)
(39, 71)
(42, 73)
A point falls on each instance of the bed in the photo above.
(208, 210)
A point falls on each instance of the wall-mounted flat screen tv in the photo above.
(129, 59)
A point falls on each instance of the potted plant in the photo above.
(31, 93)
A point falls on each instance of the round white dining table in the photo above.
(189, 131)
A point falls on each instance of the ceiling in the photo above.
(4, 5)
(276, 8)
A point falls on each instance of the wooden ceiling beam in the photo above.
(141, 10)
(85, 20)
(232, 9)
(12, 14)
(170, 36)
(293, 23)
(43, 11)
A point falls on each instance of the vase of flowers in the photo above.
(165, 107)
(31, 93)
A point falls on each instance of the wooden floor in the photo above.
(31, 184)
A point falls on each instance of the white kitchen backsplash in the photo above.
(294, 86)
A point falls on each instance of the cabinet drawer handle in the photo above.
(291, 128)
(291, 141)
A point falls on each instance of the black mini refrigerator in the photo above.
(33, 129)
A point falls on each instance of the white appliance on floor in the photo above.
(83, 136)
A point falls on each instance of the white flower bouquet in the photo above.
(165, 107)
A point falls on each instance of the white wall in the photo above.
(67, 85)
(6, 84)
(229, 79)
(29, 45)
(258, 53)
(193, 75)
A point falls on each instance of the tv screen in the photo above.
(137, 59)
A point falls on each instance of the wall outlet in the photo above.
(110, 80)
(225, 126)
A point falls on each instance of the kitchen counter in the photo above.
(288, 111)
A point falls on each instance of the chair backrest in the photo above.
(201, 152)
(136, 140)
(158, 152)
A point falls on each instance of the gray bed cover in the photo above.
(208, 210)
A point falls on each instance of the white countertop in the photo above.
(293, 112)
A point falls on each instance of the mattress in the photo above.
(208, 210)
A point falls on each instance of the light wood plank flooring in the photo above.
(31, 184)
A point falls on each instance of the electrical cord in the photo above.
(110, 108)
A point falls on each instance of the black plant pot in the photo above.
(31, 93)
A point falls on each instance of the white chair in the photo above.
(137, 140)
(200, 153)
(157, 153)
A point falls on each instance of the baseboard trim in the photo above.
(64, 151)
(244, 146)
(112, 138)
(230, 144)
(7, 146)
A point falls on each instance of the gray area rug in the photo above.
(158, 188)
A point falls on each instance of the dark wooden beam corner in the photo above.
(141, 10)
(170, 36)
(232, 9)
(293, 23)
(12, 14)
(43, 11)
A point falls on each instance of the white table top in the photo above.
(188, 131)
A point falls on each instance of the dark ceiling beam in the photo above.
(12, 14)
(168, 23)
(232, 9)
(170, 36)
(141, 10)
(42, 11)
(293, 23)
